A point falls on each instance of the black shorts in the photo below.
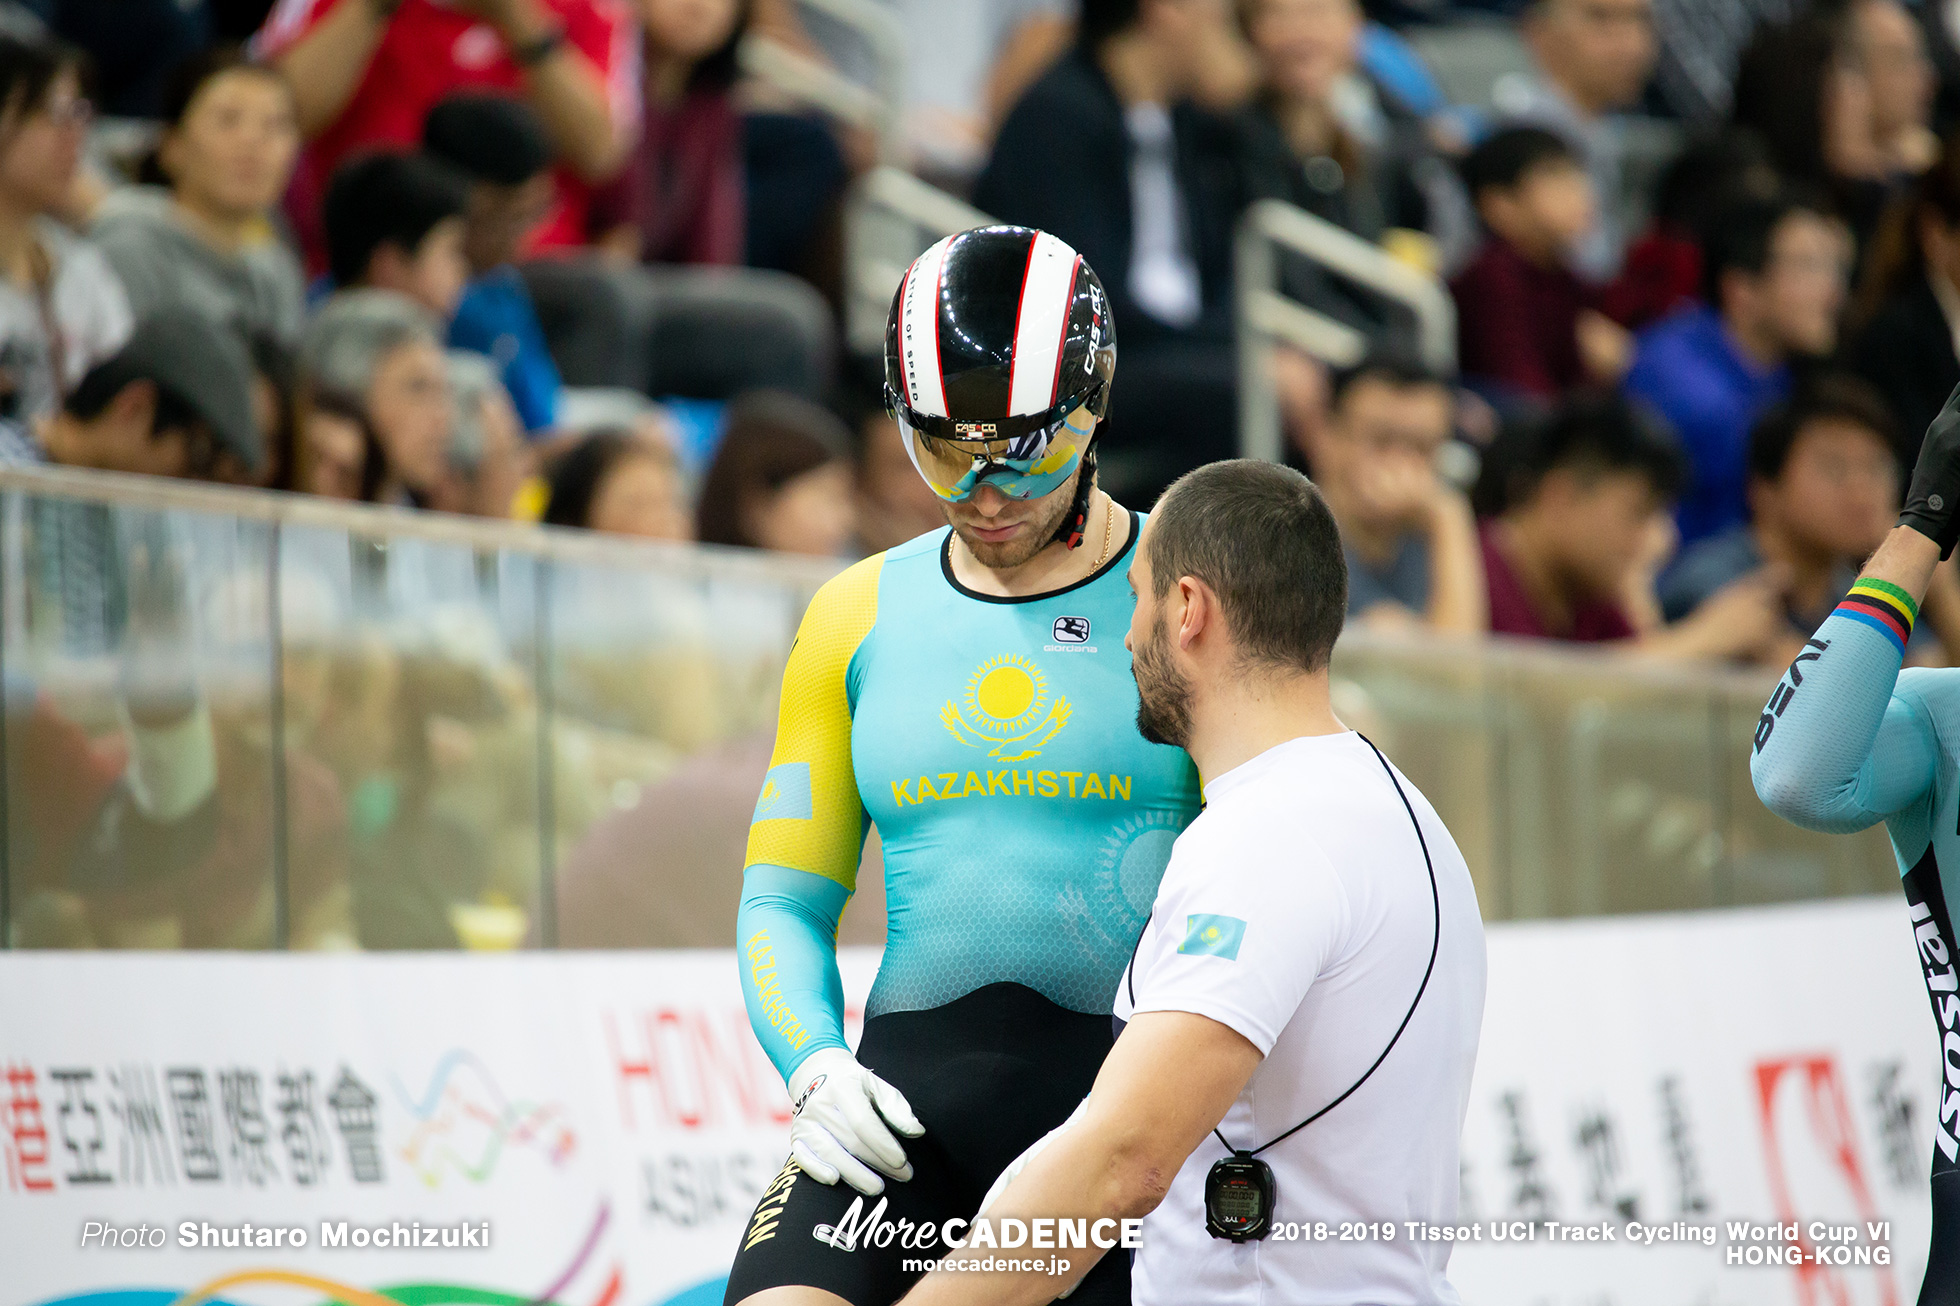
(987, 1075)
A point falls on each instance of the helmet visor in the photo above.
(1026, 466)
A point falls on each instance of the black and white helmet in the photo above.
(999, 356)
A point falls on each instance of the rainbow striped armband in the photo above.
(1884, 607)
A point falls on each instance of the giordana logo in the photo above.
(1071, 630)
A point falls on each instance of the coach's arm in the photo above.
(1165, 1085)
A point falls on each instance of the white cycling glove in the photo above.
(839, 1129)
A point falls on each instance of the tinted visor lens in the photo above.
(1025, 467)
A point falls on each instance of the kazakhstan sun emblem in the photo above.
(1007, 710)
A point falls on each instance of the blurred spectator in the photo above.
(208, 241)
(620, 481)
(682, 196)
(1360, 159)
(62, 308)
(1525, 319)
(1153, 187)
(1412, 552)
(781, 479)
(173, 401)
(488, 460)
(1823, 490)
(499, 144)
(699, 820)
(1774, 280)
(1908, 317)
(275, 396)
(1803, 90)
(1579, 529)
(395, 222)
(1593, 59)
(1890, 46)
(1662, 273)
(374, 363)
(698, 323)
(367, 72)
(1700, 42)
(966, 67)
(894, 503)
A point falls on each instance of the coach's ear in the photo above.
(1197, 615)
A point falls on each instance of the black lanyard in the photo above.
(1435, 946)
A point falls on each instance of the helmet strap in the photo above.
(1076, 521)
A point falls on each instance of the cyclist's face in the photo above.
(1005, 533)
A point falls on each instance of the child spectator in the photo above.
(1774, 281)
(501, 147)
(395, 222)
(205, 238)
(62, 308)
(781, 479)
(1578, 528)
(1823, 490)
(1411, 541)
(1525, 319)
(1591, 59)
(620, 481)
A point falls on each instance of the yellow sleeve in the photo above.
(809, 816)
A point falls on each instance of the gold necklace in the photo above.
(1109, 525)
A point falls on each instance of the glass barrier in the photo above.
(243, 720)
(1582, 783)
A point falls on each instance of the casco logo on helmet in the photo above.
(976, 430)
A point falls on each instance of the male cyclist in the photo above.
(970, 693)
(1848, 740)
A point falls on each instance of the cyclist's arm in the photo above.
(1835, 750)
(807, 835)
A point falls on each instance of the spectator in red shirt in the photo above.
(366, 73)
(1578, 524)
(1526, 320)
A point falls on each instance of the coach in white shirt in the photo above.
(1315, 951)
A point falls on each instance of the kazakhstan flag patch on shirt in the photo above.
(785, 794)
(1213, 936)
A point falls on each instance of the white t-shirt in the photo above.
(1297, 910)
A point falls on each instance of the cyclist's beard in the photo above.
(1044, 518)
(1163, 692)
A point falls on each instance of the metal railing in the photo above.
(1272, 229)
(891, 218)
(878, 108)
